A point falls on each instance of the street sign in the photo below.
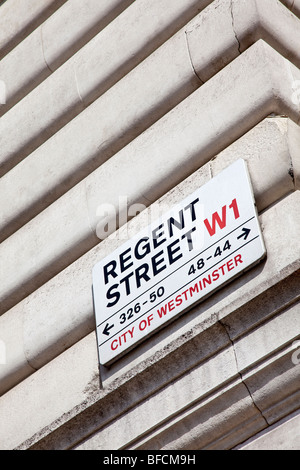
(199, 245)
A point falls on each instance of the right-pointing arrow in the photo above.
(245, 233)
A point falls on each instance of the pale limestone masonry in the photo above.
(19, 19)
(128, 40)
(147, 100)
(268, 89)
(46, 339)
(72, 26)
(293, 5)
(158, 93)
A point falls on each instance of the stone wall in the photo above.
(148, 101)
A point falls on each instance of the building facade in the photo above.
(112, 111)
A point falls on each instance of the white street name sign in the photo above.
(203, 242)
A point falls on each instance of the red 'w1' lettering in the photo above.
(221, 221)
(235, 209)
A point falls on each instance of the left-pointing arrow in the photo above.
(107, 328)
